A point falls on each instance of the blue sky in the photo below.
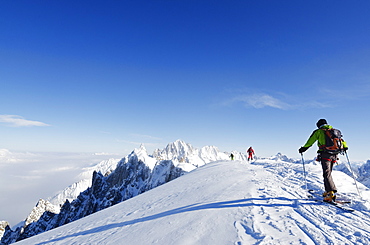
(105, 76)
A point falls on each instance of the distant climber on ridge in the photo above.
(232, 156)
(250, 152)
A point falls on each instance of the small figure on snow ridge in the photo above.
(232, 156)
(250, 152)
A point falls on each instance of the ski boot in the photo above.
(329, 196)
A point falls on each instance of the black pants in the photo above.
(327, 163)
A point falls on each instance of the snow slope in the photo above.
(183, 154)
(226, 202)
(84, 181)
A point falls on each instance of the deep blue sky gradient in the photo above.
(109, 75)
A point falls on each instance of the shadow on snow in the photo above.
(193, 207)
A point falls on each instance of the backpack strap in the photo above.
(327, 134)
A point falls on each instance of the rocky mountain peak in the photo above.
(41, 207)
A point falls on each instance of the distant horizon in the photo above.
(65, 168)
(151, 148)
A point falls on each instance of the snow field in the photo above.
(226, 202)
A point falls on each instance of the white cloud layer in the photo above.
(18, 121)
(28, 176)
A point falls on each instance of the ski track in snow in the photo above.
(305, 219)
(225, 202)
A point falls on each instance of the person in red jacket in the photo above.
(250, 152)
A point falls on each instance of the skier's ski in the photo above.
(338, 205)
(340, 199)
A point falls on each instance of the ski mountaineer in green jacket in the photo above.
(326, 158)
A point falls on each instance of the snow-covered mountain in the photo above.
(188, 157)
(71, 192)
(133, 175)
(41, 207)
(182, 154)
(227, 202)
(282, 157)
(115, 181)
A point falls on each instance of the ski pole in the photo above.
(353, 175)
(304, 172)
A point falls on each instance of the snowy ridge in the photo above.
(142, 155)
(188, 157)
(282, 157)
(42, 206)
(71, 192)
(182, 154)
(135, 174)
(226, 202)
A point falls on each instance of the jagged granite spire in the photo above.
(133, 175)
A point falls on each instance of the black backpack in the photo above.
(333, 141)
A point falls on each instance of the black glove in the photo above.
(302, 149)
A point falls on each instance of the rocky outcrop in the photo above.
(132, 177)
(3, 224)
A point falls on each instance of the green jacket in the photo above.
(319, 136)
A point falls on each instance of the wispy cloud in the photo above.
(135, 139)
(145, 136)
(260, 101)
(18, 121)
(354, 91)
(138, 143)
(278, 101)
(7, 156)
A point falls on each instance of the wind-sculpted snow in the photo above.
(227, 202)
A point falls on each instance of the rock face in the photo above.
(106, 167)
(133, 175)
(41, 207)
(3, 224)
